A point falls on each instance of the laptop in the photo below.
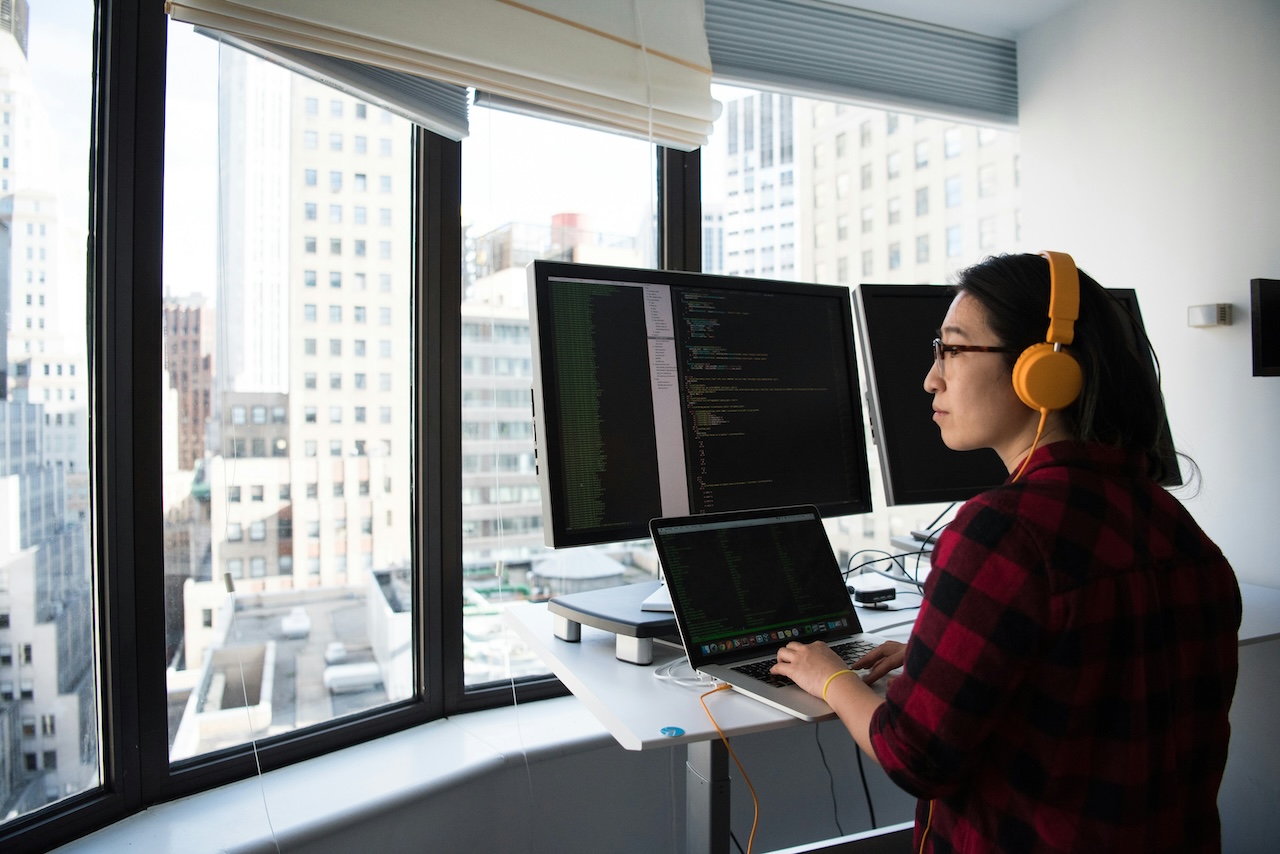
(746, 583)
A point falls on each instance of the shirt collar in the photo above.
(1103, 459)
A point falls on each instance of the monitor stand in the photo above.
(618, 610)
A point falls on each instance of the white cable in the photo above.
(694, 679)
(244, 689)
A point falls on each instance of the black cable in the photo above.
(944, 512)
(831, 778)
(736, 843)
(867, 565)
(866, 790)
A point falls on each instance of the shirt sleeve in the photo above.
(974, 640)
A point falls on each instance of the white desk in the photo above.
(636, 707)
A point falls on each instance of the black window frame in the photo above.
(126, 206)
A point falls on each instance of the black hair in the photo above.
(1120, 402)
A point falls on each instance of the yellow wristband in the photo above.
(830, 679)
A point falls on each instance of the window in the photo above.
(264, 351)
(922, 201)
(987, 181)
(952, 191)
(987, 232)
(952, 143)
(278, 365)
(922, 154)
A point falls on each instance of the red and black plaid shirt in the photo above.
(1067, 683)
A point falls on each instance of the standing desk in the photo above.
(643, 712)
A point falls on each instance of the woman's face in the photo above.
(974, 404)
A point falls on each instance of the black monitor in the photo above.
(659, 393)
(896, 323)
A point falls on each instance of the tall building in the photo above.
(48, 723)
(501, 502)
(900, 198)
(313, 333)
(46, 621)
(252, 349)
(758, 155)
(189, 364)
(838, 194)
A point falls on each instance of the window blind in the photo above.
(642, 65)
(438, 107)
(816, 48)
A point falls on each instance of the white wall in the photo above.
(1149, 151)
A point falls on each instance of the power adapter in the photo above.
(872, 596)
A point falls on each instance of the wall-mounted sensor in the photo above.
(1217, 314)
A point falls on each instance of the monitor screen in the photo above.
(659, 393)
(896, 323)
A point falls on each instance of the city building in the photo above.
(48, 708)
(188, 359)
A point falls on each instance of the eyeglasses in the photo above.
(940, 350)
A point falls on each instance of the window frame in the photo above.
(126, 209)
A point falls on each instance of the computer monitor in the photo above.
(895, 325)
(659, 393)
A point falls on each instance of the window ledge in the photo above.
(352, 786)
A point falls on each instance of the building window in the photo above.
(952, 143)
(952, 191)
(987, 181)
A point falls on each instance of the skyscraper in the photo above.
(48, 723)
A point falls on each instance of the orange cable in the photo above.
(927, 824)
(754, 800)
(1044, 416)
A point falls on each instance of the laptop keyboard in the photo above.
(850, 651)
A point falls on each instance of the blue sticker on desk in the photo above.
(673, 731)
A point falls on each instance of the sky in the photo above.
(60, 56)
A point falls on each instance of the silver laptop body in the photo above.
(744, 584)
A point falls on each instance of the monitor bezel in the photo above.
(548, 465)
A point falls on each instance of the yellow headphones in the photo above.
(1046, 377)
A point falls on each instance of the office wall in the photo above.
(1149, 135)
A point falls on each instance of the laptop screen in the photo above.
(752, 581)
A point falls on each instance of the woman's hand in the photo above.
(808, 665)
(887, 656)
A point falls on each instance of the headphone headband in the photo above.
(1046, 377)
(1064, 297)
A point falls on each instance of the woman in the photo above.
(1067, 682)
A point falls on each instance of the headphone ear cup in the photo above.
(1044, 378)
